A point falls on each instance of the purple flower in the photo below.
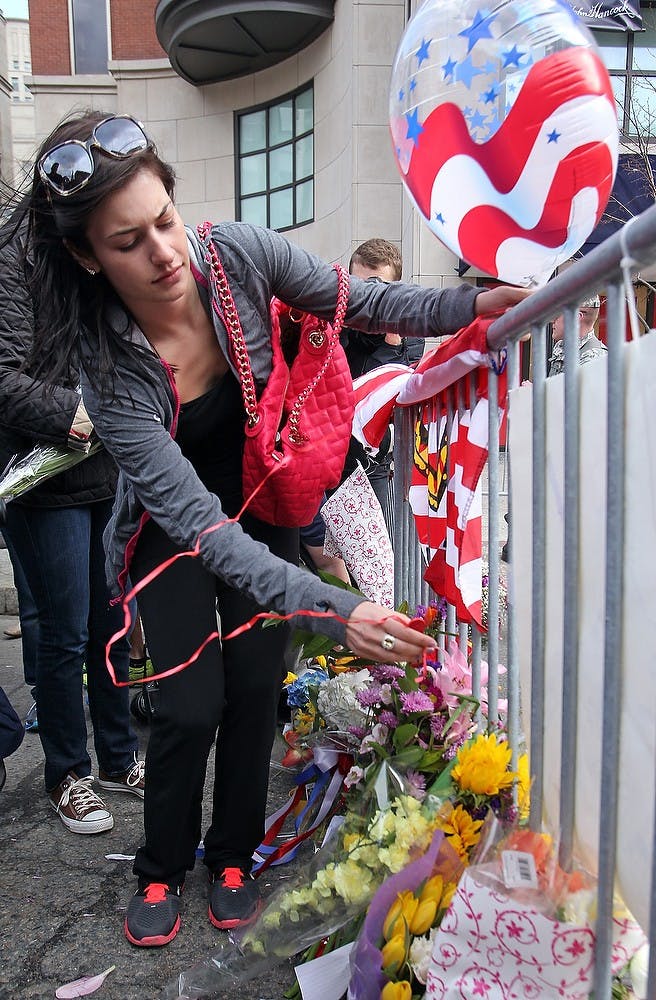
(357, 731)
(369, 697)
(416, 785)
(416, 701)
(436, 724)
(387, 718)
(385, 672)
(420, 611)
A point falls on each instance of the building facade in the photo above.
(19, 70)
(277, 113)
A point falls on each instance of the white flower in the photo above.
(639, 968)
(421, 951)
(337, 702)
(354, 777)
(378, 734)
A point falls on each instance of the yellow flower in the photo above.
(290, 678)
(400, 913)
(394, 954)
(483, 766)
(396, 991)
(424, 917)
(523, 786)
(433, 889)
(320, 661)
(461, 831)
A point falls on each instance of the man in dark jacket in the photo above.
(377, 260)
(55, 531)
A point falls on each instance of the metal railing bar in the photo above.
(538, 510)
(571, 514)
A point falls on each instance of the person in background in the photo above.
(377, 260)
(590, 346)
(54, 532)
(125, 283)
(28, 632)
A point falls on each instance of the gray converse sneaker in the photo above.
(78, 806)
(131, 781)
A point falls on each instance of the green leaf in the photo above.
(409, 757)
(403, 735)
(442, 787)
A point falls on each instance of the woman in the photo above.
(54, 533)
(113, 258)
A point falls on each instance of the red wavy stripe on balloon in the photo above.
(561, 77)
(551, 229)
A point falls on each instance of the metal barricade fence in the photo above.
(611, 267)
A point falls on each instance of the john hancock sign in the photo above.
(618, 15)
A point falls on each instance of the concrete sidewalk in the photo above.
(64, 900)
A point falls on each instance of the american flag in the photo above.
(507, 147)
(445, 490)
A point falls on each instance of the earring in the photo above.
(90, 271)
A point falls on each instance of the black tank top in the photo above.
(211, 435)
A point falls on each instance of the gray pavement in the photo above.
(63, 901)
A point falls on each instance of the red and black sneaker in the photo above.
(153, 916)
(234, 899)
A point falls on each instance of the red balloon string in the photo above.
(158, 570)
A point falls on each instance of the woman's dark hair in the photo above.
(65, 297)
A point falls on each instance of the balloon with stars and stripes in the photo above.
(504, 127)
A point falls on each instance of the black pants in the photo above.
(233, 689)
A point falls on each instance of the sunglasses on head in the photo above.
(68, 166)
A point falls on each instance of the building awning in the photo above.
(211, 40)
(634, 191)
(611, 15)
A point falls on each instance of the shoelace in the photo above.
(136, 773)
(155, 892)
(232, 878)
(81, 795)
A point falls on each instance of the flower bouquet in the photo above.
(41, 462)
(383, 829)
(520, 925)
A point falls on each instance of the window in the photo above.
(275, 162)
(630, 58)
(90, 35)
(14, 83)
(15, 64)
(27, 66)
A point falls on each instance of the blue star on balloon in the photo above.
(414, 127)
(490, 96)
(413, 84)
(422, 51)
(466, 71)
(512, 57)
(477, 120)
(478, 29)
(401, 95)
(553, 136)
(439, 217)
(448, 67)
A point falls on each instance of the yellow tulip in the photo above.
(290, 678)
(320, 661)
(424, 917)
(394, 954)
(397, 991)
(433, 889)
(400, 914)
(447, 895)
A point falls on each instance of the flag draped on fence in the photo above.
(449, 454)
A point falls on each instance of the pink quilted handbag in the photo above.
(298, 431)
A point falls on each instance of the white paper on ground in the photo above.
(326, 977)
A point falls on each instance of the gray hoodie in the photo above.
(137, 426)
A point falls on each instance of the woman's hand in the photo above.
(384, 636)
(498, 299)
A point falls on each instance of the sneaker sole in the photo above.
(152, 942)
(118, 786)
(84, 826)
(227, 925)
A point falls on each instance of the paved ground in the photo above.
(63, 901)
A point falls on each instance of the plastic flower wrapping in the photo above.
(41, 462)
(519, 925)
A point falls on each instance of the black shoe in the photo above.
(153, 916)
(234, 899)
(3, 774)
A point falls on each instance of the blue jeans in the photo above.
(61, 554)
(28, 617)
